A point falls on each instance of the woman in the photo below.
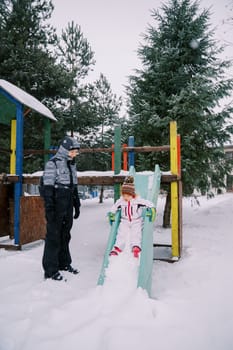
(60, 194)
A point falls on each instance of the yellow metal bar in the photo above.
(174, 192)
(13, 147)
(175, 220)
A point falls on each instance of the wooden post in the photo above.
(131, 153)
(117, 159)
(180, 197)
(13, 147)
(112, 157)
(47, 137)
(180, 194)
(174, 191)
(19, 170)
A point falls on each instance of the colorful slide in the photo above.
(148, 187)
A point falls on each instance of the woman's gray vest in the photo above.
(57, 170)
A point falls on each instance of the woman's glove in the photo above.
(76, 203)
(48, 195)
(49, 198)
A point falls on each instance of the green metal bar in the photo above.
(146, 259)
(109, 247)
(117, 160)
(47, 137)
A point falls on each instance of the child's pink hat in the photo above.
(128, 186)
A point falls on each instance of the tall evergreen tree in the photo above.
(90, 108)
(107, 105)
(25, 57)
(27, 60)
(75, 53)
(183, 79)
(105, 108)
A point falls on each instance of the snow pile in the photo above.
(50, 317)
(192, 306)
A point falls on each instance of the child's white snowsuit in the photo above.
(131, 223)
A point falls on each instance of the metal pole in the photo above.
(113, 157)
(117, 159)
(19, 170)
(47, 137)
(131, 153)
(13, 147)
(174, 191)
(125, 158)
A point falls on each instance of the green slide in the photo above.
(110, 244)
(147, 186)
(150, 192)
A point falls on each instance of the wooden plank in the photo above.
(84, 180)
(142, 149)
(100, 180)
(4, 211)
(165, 179)
(10, 246)
(5, 150)
(32, 219)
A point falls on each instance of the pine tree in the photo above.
(28, 61)
(75, 53)
(105, 107)
(90, 108)
(183, 79)
(26, 58)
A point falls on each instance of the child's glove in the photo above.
(151, 214)
(111, 218)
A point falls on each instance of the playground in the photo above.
(26, 213)
(116, 302)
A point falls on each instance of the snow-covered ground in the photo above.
(191, 308)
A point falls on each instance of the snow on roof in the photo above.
(26, 99)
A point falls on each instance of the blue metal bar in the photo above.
(19, 170)
(19, 162)
(131, 153)
(8, 96)
(117, 160)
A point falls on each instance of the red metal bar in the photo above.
(178, 155)
(125, 157)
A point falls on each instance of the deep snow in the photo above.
(192, 299)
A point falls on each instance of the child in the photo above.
(131, 218)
